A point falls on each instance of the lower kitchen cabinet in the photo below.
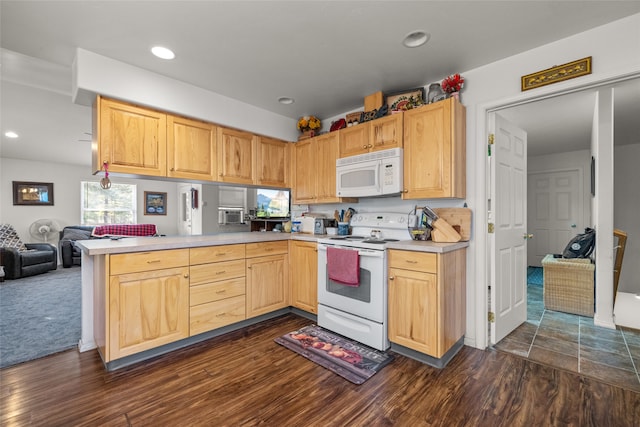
(147, 308)
(427, 310)
(267, 277)
(217, 287)
(304, 275)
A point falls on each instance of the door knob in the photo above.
(573, 226)
(527, 236)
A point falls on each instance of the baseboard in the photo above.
(86, 346)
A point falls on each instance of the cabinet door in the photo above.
(147, 310)
(131, 139)
(354, 140)
(435, 151)
(386, 132)
(305, 173)
(304, 275)
(413, 310)
(236, 156)
(327, 154)
(273, 162)
(191, 149)
(267, 284)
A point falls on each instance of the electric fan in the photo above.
(44, 229)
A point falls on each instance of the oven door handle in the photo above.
(362, 252)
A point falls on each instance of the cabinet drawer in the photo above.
(216, 271)
(215, 253)
(417, 261)
(206, 317)
(209, 292)
(267, 248)
(148, 261)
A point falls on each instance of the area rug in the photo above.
(351, 360)
(39, 315)
(534, 276)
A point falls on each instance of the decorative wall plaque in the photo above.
(578, 68)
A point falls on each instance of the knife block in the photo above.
(443, 232)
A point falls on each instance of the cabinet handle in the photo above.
(405, 191)
(221, 314)
(249, 268)
(411, 261)
(268, 249)
(186, 276)
(221, 292)
(221, 254)
(153, 261)
(364, 146)
(392, 278)
(369, 146)
(172, 169)
(221, 272)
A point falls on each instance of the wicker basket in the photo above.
(568, 285)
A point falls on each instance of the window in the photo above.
(116, 205)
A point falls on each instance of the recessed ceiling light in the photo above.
(286, 100)
(163, 52)
(416, 39)
(11, 134)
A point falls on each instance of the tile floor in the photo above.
(574, 343)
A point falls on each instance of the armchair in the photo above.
(69, 252)
(24, 259)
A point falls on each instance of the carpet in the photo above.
(351, 360)
(39, 315)
(534, 276)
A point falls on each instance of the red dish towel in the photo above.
(343, 266)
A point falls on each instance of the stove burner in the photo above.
(379, 241)
(348, 238)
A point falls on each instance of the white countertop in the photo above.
(142, 244)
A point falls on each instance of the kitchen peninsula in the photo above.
(146, 296)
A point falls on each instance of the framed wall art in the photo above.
(155, 203)
(399, 101)
(33, 193)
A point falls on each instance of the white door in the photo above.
(508, 213)
(189, 209)
(555, 212)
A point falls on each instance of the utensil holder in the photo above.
(343, 229)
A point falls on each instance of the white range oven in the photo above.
(359, 311)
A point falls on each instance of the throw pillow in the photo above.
(9, 238)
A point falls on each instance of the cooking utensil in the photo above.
(336, 215)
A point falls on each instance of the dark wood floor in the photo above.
(245, 378)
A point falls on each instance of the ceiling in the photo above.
(327, 55)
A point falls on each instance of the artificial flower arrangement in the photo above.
(453, 83)
(309, 123)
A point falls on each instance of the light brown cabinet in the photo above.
(380, 134)
(191, 149)
(217, 287)
(267, 277)
(427, 300)
(236, 156)
(435, 151)
(147, 307)
(273, 159)
(315, 170)
(304, 275)
(129, 139)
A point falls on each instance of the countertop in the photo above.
(143, 244)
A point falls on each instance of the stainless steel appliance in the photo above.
(321, 224)
(230, 216)
(377, 173)
(360, 312)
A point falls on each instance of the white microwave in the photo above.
(377, 173)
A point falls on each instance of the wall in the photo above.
(626, 206)
(66, 187)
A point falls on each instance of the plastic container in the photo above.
(296, 227)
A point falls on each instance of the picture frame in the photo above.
(32, 193)
(155, 203)
(396, 100)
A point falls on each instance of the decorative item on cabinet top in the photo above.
(405, 100)
(309, 126)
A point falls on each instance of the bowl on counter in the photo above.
(332, 231)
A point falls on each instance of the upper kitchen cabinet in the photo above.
(379, 134)
(236, 156)
(191, 147)
(315, 170)
(435, 151)
(273, 160)
(129, 139)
